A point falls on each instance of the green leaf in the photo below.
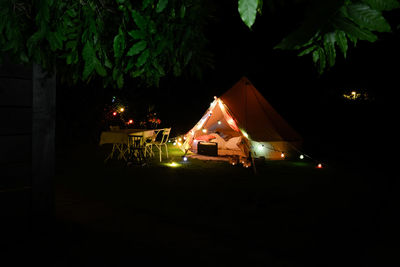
(130, 65)
(100, 70)
(352, 29)
(146, 3)
(187, 58)
(137, 48)
(161, 5)
(139, 20)
(322, 60)
(89, 57)
(143, 58)
(182, 11)
(115, 73)
(161, 46)
(23, 57)
(119, 45)
(315, 56)
(159, 68)
(107, 63)
(71, 12)
(383, 4)
(342, 42)
(248, 11)
(120, 81)
(137, 73)
(137, 34)
(329, 46)
(307, 51)
(368, 18)
(177, 70)
(54, 41)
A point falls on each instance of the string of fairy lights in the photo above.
(254, 147)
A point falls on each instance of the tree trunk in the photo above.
(43, 146)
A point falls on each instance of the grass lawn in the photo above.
(206, 213)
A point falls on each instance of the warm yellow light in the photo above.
(179, 143)
(353, 93)
(219, 122)
(244, 133)
(179, 139)
(301, 157)
(204, 130)
(122, 109)
(172, 164)
(282, 155)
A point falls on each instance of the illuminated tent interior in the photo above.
(241, 122)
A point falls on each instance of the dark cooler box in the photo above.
(207, 148)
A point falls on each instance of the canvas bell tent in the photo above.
(243, 123)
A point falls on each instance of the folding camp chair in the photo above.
(163, 142)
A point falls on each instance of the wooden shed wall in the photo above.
(15, 139)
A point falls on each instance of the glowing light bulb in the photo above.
(301, 157)
(319, 166)
(180, 139)
(219, 122)
(130, 121)
(122, 109)
(115, 113)
(282, 155)
(204, 130)
(185, 158)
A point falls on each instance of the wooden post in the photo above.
(43, 146)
